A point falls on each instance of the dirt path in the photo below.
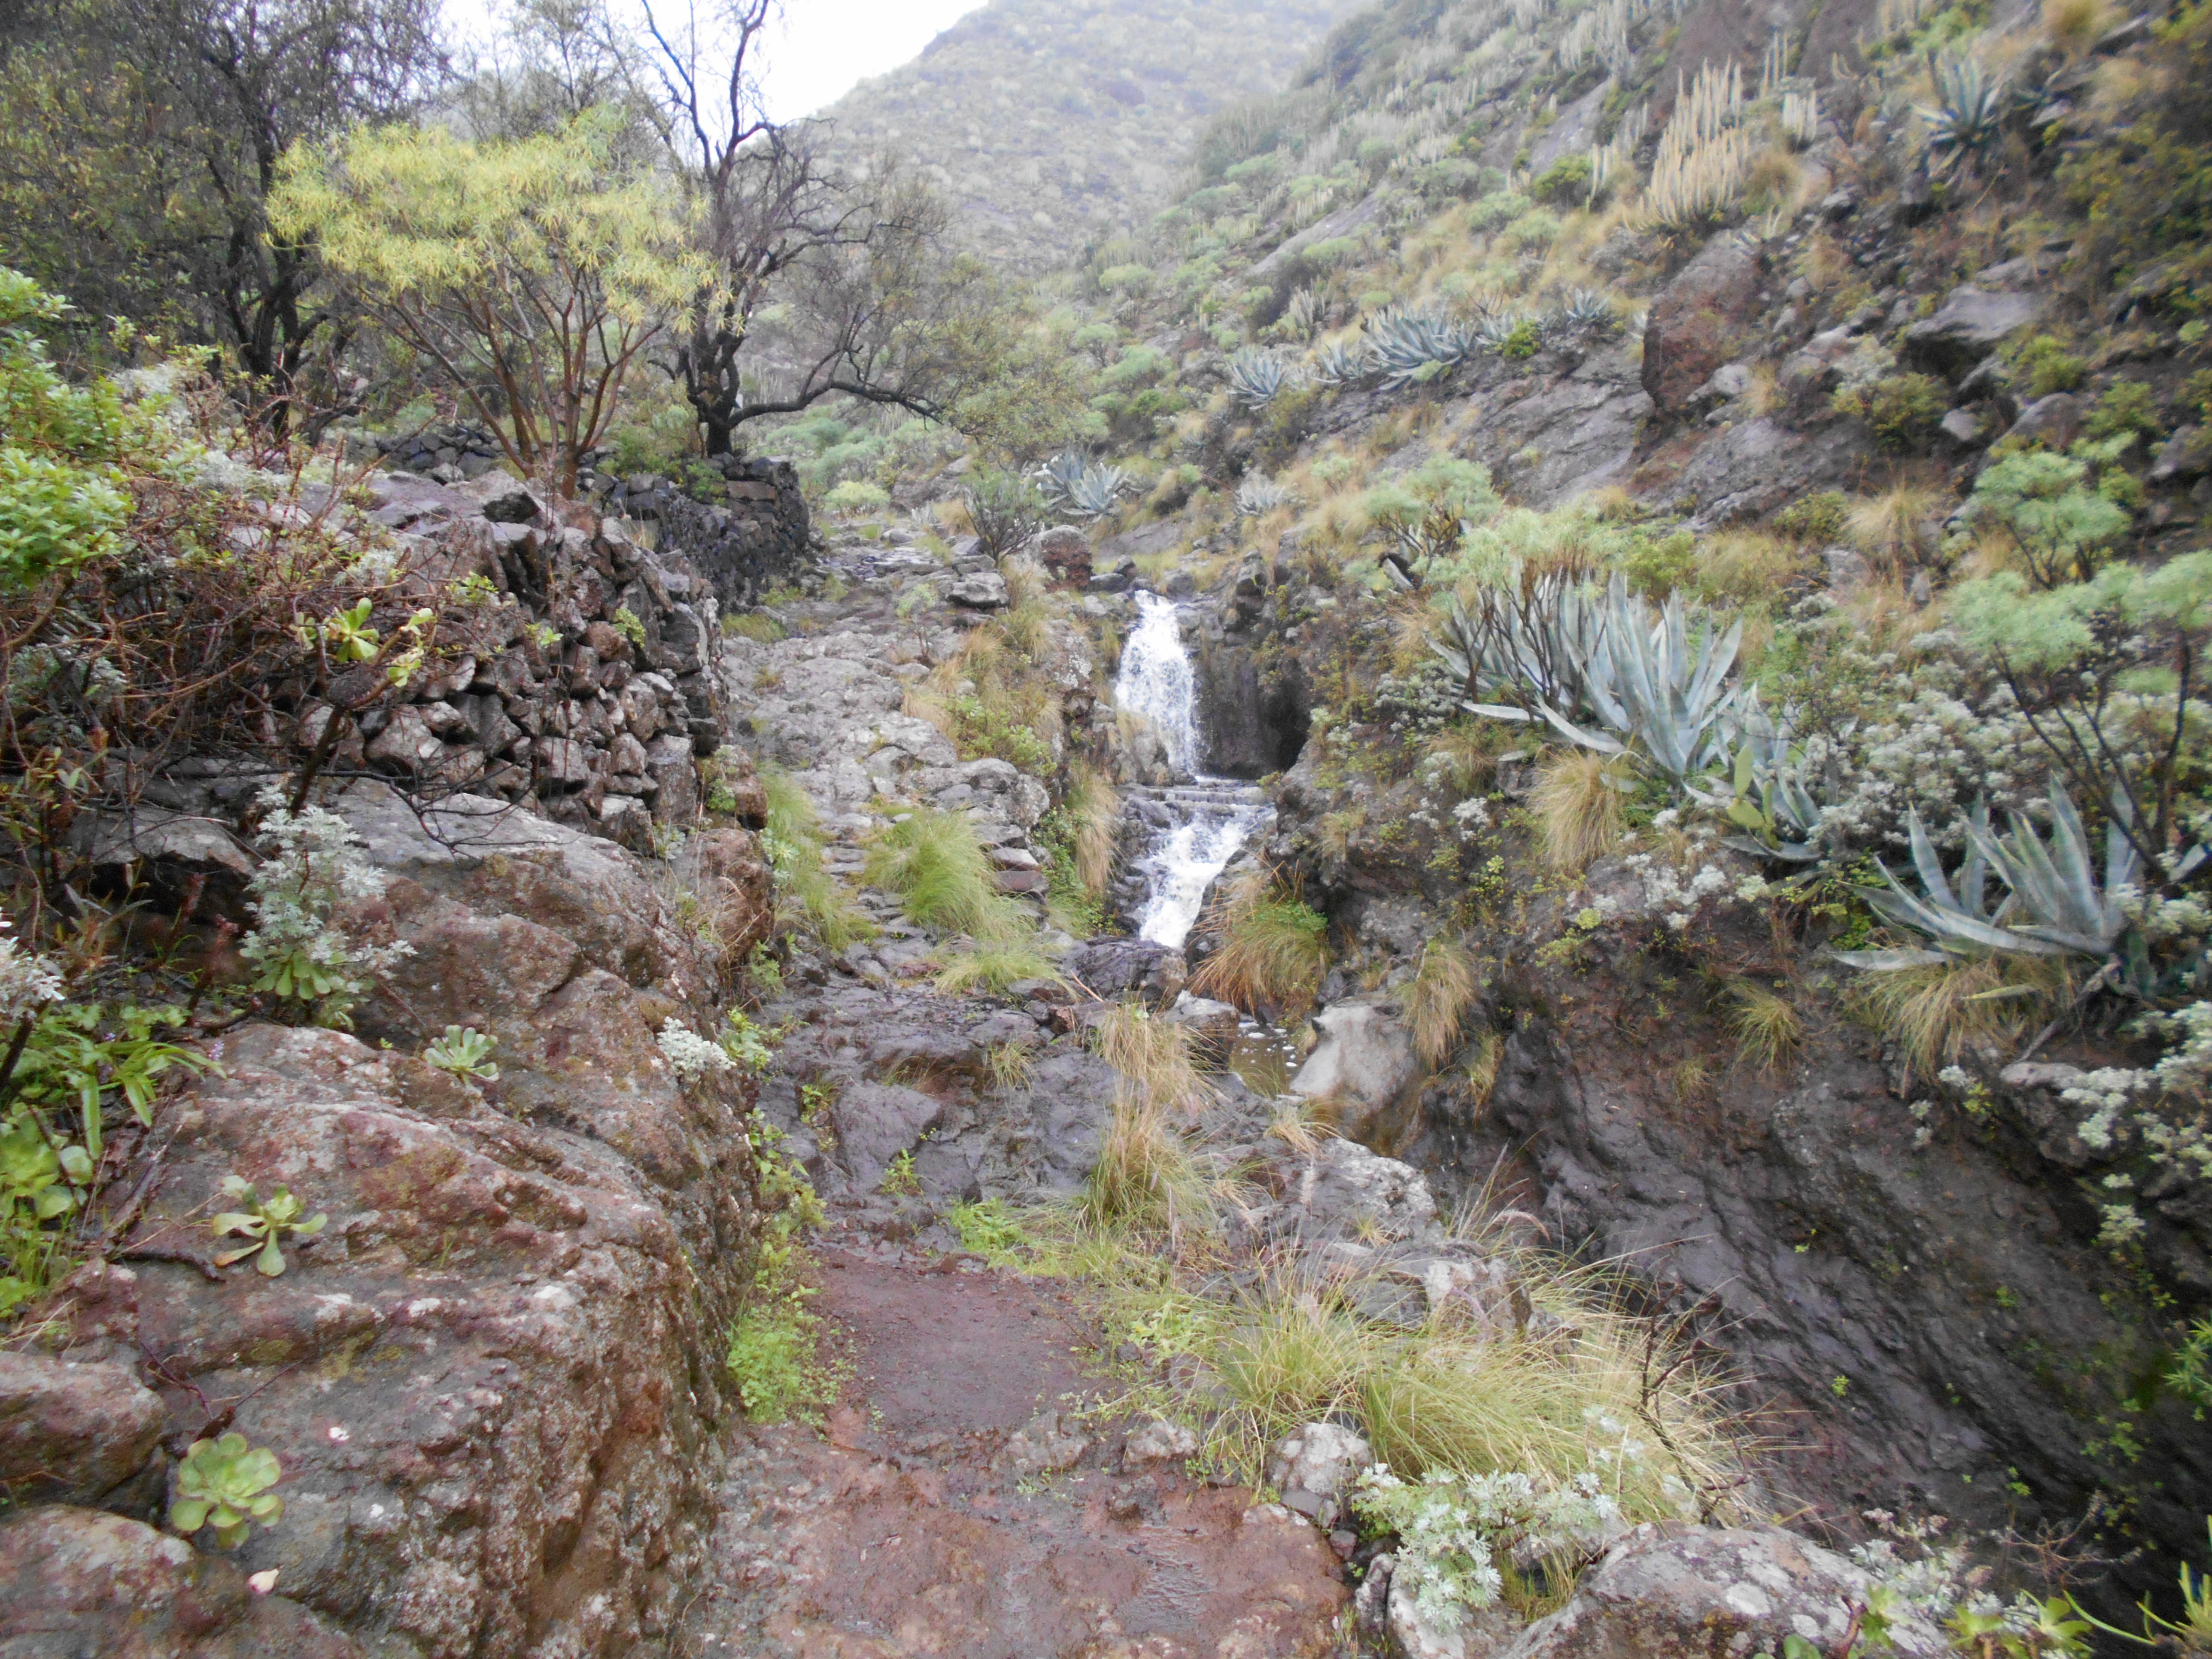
(954, 1504)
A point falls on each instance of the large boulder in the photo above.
(72, 1433)
(1969, 326)
(1364, 1059)
(1688, 1592)
(77, 1581)
(1707, 316)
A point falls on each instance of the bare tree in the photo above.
(869, 300)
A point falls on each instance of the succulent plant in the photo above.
(224, 1484)
(1057, 477)
(2055, 904)
(464, 1052)
(1003, 510)
(1256, 495)
(1095, 490)
(1969, 114)
(1257, 378)
(1529, 641)
(1764, 792)
(1408, 347)
(265, 1221)
(1339, 364)
(1655, 690)
(1580, 313)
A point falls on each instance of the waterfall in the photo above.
(1199, 825)
(1156, 680)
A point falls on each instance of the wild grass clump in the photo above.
(1936, 1013)
(1147, 1177)
(942, 877)
(794, 845)
(1580, 1386)
(1274, 951)
(1578, 808)
(754, 625)
(996, 968)
(1079, 840)
(1153, 1057)
(1439, 1000)
(1767, 1028)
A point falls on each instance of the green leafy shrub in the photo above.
(2128, 408)
(2050, 367)
(1565, 183)
(297, 948)
(1817, 520)
(224, 1484)
(2043, 503)
(1903, 410)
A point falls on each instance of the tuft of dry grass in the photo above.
(1482, 1067)
(1936, 1013)
(1578, 808)
(1894, 527)
(1273, 950)
(1154, 1058)
(1093, 812)
(1439, 998)
(1147, 1177)
(1766, 1027)
(2074, 26)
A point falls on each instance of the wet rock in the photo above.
(1160, 1442)
(1365, 1055)
(1064, 551)
(1044, 1446)
(979, 590)
(877, 1121)
(1674, 1591)
(513, 506)
(1324, 1458)
(1703, 319)
(75, 1581)
(1113, 967)
(1212, 1026)
(1969, 326)
(2053, 419)
(1962, 429)
(2185, 456)
(1345, 1191)
(72, 1433)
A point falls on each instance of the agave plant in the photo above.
(1057, 477)
(1094, 490)
(1657, 691)
(2055, 904)
(1529, 641)
(1763, 793)
(1496, 325)
(1256, 495)
(1969, 116)
(1580, 313)
(1339, 364)
(1408, 347)
(1257, 378)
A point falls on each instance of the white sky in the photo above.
(819, 52)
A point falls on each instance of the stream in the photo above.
(1197, 824)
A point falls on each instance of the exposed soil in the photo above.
(912, 1523)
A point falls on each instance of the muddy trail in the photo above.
(967, 1497)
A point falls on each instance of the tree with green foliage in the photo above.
(533, 272)
(140, 141)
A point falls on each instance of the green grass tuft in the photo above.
(806, 891)
(944, 878)
(1274, 948)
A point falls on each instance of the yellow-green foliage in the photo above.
(1146, 1176)
(1936, 1013)
(540, 267)
(997, 967)
(1274, 948)
(1578, 808)
(1442, 993)
(1766, 1027)
(1153, 1056)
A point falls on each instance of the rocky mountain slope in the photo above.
(1057, 128)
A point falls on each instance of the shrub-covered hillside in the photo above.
(1054, 127)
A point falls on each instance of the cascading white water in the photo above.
(1208, 821)
(1156, 680)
